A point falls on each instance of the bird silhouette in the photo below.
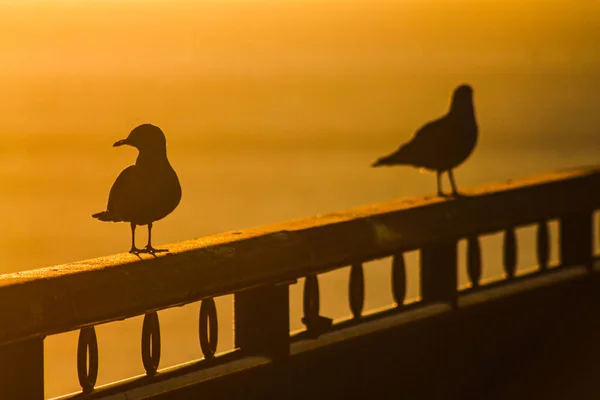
(443, 144)
(144, 192)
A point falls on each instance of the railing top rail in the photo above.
(66, 297)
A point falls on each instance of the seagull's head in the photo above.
(463, 92)
(145, 137)
(462, 99)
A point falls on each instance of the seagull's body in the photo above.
(443, 144)
(147, 191)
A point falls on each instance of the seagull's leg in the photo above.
(134, 250)
(439, 183)
(149, 248)
(453, 183)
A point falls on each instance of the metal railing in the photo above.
(258, 265)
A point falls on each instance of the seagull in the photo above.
(443, 144)
(144, 192)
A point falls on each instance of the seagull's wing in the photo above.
(431, 135)
(430, 142)
(124, 193)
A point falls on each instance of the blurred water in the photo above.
(272, 112)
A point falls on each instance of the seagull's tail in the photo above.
(382, 161)
(392, 159)
(105, 216)
(399, 157)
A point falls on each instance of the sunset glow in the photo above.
(273, 110)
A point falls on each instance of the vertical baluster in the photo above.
(315, 323)
(438, 272)
(510, 253)
(543, 245)
(399, 279)
(87, 359)
(356, 289)
(576, 247)
(151, 343)
(208, 328)
(22, 370)
(311, 300)
(474, 261)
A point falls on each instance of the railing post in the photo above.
(439, 274)
(22, 370)
(262, 320)
(576, 245)
(262, 327)
(439, 281)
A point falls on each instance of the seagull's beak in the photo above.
(120, 143)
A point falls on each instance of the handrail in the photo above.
(258, 265)
(57, 299)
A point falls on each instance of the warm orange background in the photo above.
(273, 110)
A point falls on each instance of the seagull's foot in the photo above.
(135, 250)
(457, 194)
(151, 250)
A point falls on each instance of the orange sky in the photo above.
(68, 37)
(249, 65)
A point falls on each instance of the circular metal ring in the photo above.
(151, 343)
(311, 297)
(543, 245)
(87, 359)
(474, 260)
(208, 328)
(399, 278)
(510, 253)
(356, 289)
